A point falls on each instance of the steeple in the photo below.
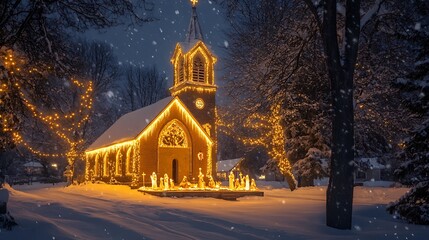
(194, 30)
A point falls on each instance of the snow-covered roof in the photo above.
(372, 163)
(33, 164)
(130, 125)
(228, 165)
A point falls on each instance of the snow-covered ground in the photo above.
(99, 211)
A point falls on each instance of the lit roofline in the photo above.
(151, 124)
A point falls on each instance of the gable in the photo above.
(188, 119)
(202, 48)
(177, 51)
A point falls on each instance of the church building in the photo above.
(174, 136)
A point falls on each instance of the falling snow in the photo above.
(225, 43)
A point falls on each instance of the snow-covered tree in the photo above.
(313, 166)
(414, 87)
(414, 171)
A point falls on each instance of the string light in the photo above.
(74, 120)
(132, 146)
(209, 60)
(270, 135)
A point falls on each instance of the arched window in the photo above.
(198, 68)
(128, 161)
(97, 166)
(118, 165)
(173, 135)
(181, 70)
(106, 165)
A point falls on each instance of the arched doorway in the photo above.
(174, 151)
(175, 171)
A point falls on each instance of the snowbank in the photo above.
(101, 211)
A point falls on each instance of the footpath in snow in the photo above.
(101, 211)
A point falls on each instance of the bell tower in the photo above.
(194, 80)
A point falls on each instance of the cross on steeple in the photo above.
(194, 2)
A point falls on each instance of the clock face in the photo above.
(199, 103)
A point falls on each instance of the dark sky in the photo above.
(154, 42)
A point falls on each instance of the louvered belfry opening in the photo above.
(198, 70)
(181, 70)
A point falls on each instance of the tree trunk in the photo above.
(339, 196)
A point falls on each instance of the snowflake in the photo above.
(225, 43)
(110, 94)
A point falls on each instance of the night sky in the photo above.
(154, 42)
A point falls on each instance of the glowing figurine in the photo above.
(153, 179)
(247, 188)
(184, 183)
(201, 183)
(237, 184)
(161, 183)
(212, 183)
(231, 181)
(166, 182)
(253, 185)
(171, 183)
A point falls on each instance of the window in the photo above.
(106, 165)
(97, 166)
(198, 69)
(118, 167)
(173, 135)
(180, 70)
(128, 161)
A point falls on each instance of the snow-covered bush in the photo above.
(414, 205)
(6, 220)
(313, 166)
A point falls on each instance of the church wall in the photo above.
(149, 153)
(204, 116)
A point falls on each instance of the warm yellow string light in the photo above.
(271, 137)
(53, 121)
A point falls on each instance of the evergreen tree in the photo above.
(414, 170)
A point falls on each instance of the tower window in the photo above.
(198, 71)
(181, 70)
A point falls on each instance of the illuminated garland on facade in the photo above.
(270, 136)
(133, 158)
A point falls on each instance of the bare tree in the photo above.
(144, 86)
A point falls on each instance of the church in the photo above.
(174, 136)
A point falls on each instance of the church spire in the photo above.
(194, 30)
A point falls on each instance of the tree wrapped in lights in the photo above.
(267, 131)
(66, 124)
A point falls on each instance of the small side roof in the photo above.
(228, 165)
(372, 163)
(33, 164)
(130, 125)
